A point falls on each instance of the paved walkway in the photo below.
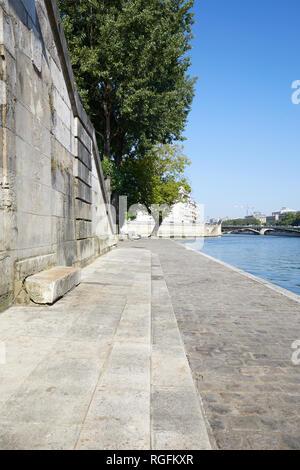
(159, 348)
(104, 368)
(237, 334)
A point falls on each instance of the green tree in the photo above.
(241, 222)
(290, 219)
(156, 179)
(130, 63)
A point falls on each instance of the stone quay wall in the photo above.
(53, 201)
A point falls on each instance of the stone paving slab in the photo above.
(177, 417)
(57, 355)
(119, 413)
(237, 333)
(95, 370)
(159, 347)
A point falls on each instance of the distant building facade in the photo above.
(186, 212)
(186, 219)
(276, 215)
(259, 216)
(281, 213)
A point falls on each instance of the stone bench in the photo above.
(48, 286)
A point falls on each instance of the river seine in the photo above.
(276, 259)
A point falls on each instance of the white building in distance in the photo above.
(186, 219)
(281, 213)
(186, 212)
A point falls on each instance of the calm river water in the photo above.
(276, 259)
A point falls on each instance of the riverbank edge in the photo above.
(270, 285)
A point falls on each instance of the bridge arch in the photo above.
(263, 231)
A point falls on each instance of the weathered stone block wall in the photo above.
(52, 192)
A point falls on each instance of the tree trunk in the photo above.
(158, 223)
(107, 135)
(115, 202)
(120, 151)
(115, 199)
(108, 187)
(118, 159)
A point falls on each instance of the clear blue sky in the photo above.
(243, 135)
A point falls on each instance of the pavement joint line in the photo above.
(97, 283)
(239, 337)
(202, 416)
(175, 303)
(101, 374)
(151, 339)
(114, 341)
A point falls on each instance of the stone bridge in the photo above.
(261, 230)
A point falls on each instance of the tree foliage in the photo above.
(241, 222)
(130, 63)
(155, 178)
(290, 219)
